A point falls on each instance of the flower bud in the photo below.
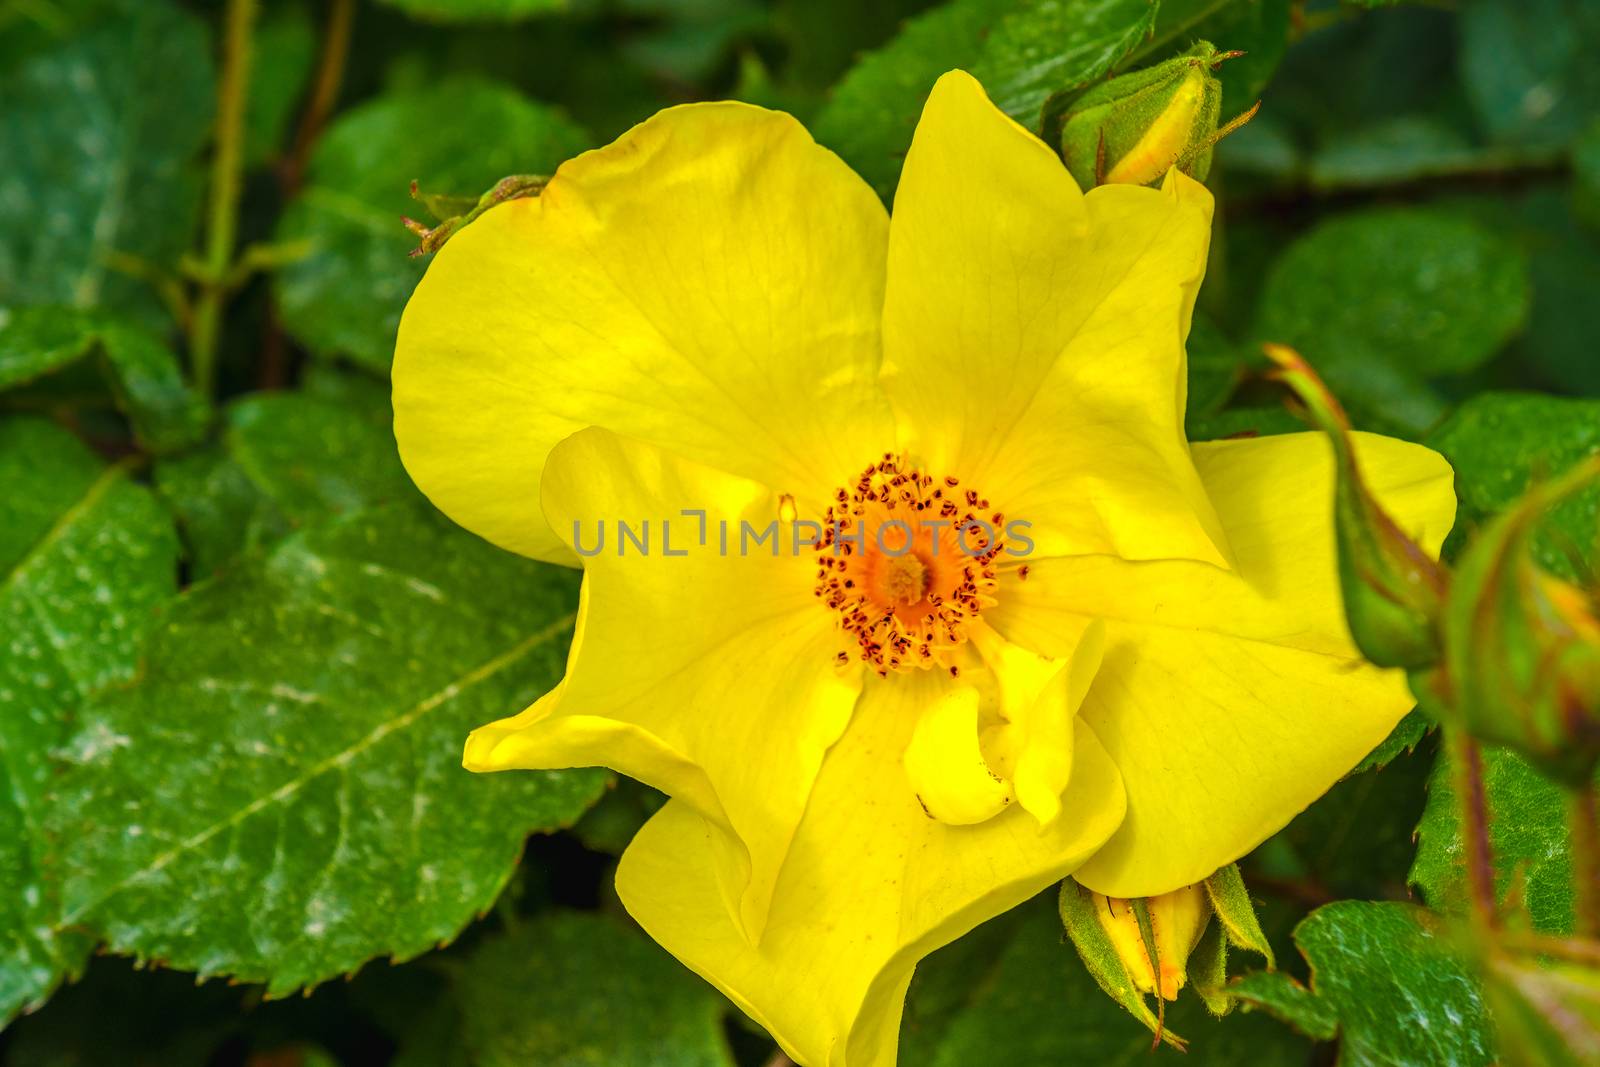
(1393, 590)
(1522, 645)
(1161, 940)
(1136, 127)
(1127, 944)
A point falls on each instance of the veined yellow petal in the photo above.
(1033, 336)
(945, 765)
(1044, 760)
(711, 283)
(1231, 701)
(1038, 698)
(870, 887)
(709, 675)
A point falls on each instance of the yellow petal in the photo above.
(1033, 336)
(1044, 762)
(711, 283)
(1038, 698)
(708, 675)
(1230, 701)
(870, 887)
(945, 766)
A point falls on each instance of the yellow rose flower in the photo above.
(872, 746)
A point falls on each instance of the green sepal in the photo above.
(1231, 906)
(1208, 970)
(1103, 962)
(454, 212)
(1393, 590)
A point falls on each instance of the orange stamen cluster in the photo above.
(908, 561)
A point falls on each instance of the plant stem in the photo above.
(274, 366)
(779, 1059)
(324, 91)
(1466, 762)
(222, 216)
(1583, 824)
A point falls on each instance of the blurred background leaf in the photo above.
(99, 145)
(345, 296)
(327, 821)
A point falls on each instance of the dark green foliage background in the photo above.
(238, 652)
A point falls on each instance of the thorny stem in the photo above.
(324, 92)
(1583, 824)
(1498, 167)
(222, 217)
(1572, 950)
(292, 172)
(1466, 762)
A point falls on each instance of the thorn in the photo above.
(1233, 124)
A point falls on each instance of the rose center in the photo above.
(905, 580)
(907, 561)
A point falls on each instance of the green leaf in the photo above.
(1392, 150)
(1501, 443)
(1402, 741)
(476, 10)
(1380, 300)
(577, 990)
(86, 556)
(99, 141)
(610, 825)
(1011, 993)
(285, 460)
(1244, 422)
(280, 798)
(1564, 253)
(1528, 66)
(1386, 976)
(1058, 45)
(874, 109)
(1527, 831)
(164, 412)
(345, 297)
(1586, 173)
(1022, 52)
(1217, 366)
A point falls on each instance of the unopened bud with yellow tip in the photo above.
(1137, 126)
(1393, 589)
(1159, 945)
(1158, 942)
